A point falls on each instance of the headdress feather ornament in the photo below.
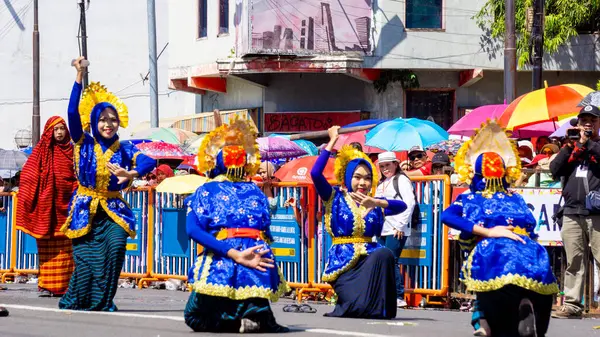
(347, 154)
(238, 133)
(97, 93)
(491, 137)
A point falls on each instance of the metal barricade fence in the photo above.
(174, 251)
(6, 233)
(136, 254)
(426, 255)
(290, 240)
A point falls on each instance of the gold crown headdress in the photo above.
(490, 138)
(97, 93)
(347, 154)
(239, 132)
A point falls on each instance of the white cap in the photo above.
(386, 157)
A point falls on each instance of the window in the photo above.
(436, 106)
(223, 16)
(202, 18)
(424, 14)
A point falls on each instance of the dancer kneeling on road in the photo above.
(361, 271)
(507, 269)
(236, 276)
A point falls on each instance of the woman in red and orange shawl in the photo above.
(47, 184)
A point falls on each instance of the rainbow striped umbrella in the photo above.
(548, 104)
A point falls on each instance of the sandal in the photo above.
(307, 309)
(291, 308)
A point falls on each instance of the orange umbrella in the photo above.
(548, 104)
(298, 170)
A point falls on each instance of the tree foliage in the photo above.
(598, 85)
(562, 20)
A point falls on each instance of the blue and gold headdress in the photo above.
(232, 149)
(346, 155)
(94, 94)
(492, 155)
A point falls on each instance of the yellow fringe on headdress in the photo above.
(489, 138)
(345, 155)
(97, 93)
(239, 132)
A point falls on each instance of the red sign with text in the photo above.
(282, 122)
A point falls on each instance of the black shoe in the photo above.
(3, 312)
(526, 319)
(45, 293)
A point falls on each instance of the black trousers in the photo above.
(501, 310)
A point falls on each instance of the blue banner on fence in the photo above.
(286, 235)
(418, 250)
(134, 246)
(175, 242)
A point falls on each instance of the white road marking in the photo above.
(177, 318)
(105, 313)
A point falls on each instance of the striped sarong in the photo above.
(99, 257)
(56, 264)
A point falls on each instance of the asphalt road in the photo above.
(158, 313)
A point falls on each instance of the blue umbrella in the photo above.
(401, 134)
(365, 122)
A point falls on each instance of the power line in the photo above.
(8, 103)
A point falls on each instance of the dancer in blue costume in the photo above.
(236, 276)
(360, 270)
(508, 270)
(99, 220)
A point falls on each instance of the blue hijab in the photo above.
(95, 116)
(351, 167)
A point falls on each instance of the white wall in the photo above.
(118, 52)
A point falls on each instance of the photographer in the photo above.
(577, 162)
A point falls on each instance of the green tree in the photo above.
(598, 85)
(563, 20)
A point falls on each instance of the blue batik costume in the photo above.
(360, 270)
(99, 219)
(502, 271)
(229, 212)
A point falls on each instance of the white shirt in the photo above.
(400, 221)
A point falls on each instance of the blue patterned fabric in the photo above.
(340, 221)
(218, 205)
(98, 187)
(496, 262)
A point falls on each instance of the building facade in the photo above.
(318, 58)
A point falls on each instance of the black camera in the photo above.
(575, 133)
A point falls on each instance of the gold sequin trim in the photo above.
(242, 293)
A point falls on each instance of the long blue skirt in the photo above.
(99, 257)
(369, 289)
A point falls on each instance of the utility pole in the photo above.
(35, 119)
(152, 63)
(510, 54)
(83, 37)
(537, 33)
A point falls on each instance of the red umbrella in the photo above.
(160, 150)
(356, 137)
(298, 170)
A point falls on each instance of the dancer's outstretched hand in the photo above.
(252, 258)
(504, 232)
(122, 174)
